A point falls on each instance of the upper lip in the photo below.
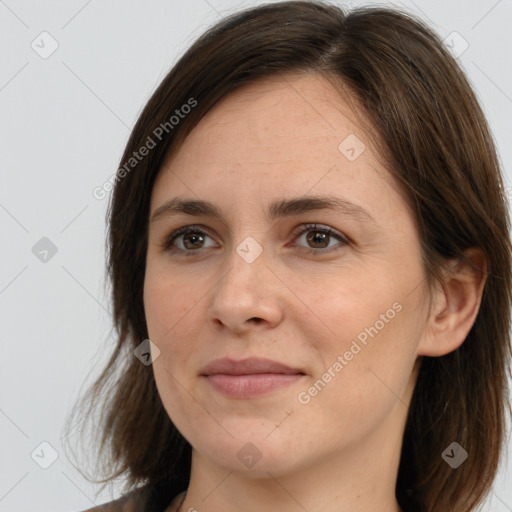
(251, 365)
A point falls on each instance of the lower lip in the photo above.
(246, 386)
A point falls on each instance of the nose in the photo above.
(247, 292)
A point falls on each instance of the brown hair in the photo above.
(431, 134)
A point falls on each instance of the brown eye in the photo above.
(189, 238)
(192, 238)
(318, 239)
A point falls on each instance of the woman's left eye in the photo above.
(317, 236)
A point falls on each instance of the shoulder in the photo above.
(152, 497)
(130, 502)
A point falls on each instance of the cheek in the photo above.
(360, 383)
(174, 318)
(347, 308)
(374, 326)
(166, 303)
(169, 310)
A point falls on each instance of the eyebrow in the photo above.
(277, 210)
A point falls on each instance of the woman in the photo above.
(309, 224)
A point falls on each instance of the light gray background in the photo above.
(64, 122)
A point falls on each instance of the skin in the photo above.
(274, 139)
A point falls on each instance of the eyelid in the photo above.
(303, 228)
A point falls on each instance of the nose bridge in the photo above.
(246, 264)
(243, 292)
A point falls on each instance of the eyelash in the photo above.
(168, 242)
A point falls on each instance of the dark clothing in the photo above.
(154, 498)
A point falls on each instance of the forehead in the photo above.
(281, 136)
(273, 117)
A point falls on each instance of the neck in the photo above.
(354, 478)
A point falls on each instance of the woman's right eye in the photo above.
(190, 238)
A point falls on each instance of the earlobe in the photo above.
(455, 305)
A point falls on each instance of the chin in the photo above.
(253, 454)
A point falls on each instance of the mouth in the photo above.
(249, 377)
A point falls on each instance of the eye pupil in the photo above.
(317, 237)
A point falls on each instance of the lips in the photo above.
(249, 378)
(249, 366)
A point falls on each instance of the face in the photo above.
(333, 291)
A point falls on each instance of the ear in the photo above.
(455, 305)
